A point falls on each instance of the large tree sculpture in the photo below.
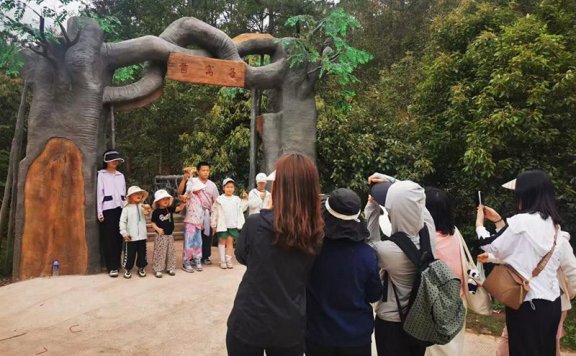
(70, 78)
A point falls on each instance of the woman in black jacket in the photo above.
(278, 247)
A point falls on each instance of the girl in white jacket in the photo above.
(227, 220)
(133, 230)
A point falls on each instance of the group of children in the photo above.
(227, 218)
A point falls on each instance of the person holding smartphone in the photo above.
(521, 241)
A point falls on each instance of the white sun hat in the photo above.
(161, 194)
(384, 222)
(272, 176)
(510, 185)
(228, 180)
(261, 178)
(136, 189)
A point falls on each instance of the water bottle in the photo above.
(55, 268)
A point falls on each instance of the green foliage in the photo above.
(11, 61)
(9, 102)
(222, 137)
(313, 35)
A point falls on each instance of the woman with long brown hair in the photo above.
(278, 247)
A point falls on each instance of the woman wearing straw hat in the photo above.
(344, 281)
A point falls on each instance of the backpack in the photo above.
(435, 312)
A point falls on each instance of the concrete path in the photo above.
(94, 315)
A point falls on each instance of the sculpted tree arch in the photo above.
(71, 80)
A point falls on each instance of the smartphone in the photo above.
(478, 198)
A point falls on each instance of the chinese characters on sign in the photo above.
(202, 70)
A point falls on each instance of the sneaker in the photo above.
(141, 272)
(207, 261)
(172, 272)
(158, 274)
(127, 274)
(113, 273)
(187, 267)
(223, 265)
(229, 262)
(198, 266)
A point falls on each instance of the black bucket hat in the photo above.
(379, 191)
(341, 210)
(112, 155)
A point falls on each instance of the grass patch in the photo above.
(493, 325)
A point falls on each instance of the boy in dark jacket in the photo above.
(344, 281)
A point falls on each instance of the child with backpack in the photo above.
(407, 262)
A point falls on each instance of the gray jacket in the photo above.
(406, 206)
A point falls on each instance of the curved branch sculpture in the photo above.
(56, 190)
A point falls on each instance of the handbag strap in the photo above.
(467, 254)
(544, 261)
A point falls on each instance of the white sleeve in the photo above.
(568, 263)
(100, 196)
(124, 222)
(501, 244)
(253, 200)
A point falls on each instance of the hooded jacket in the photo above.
(343, 282)
(406, 205)
(522, 243)
(270, 305)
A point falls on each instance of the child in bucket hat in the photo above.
(133, 230)
(163, 225)
(342, 318)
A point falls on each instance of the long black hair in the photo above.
(534, 193)
(439, 205)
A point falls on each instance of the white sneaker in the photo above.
(172, 272)
(223, 265)
(198, 266)
(158, 274)
(229, 262)
(113, 273)
(187, 267)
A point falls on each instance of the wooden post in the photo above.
(113, 126)
(253, 145)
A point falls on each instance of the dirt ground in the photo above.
(94, 315)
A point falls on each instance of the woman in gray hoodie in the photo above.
(405, 202)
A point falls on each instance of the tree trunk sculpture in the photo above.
(70, 81)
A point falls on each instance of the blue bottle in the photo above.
(56, 268)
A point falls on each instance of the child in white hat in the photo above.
(133, 230)
(163, 225)
(193, 221)
(227, 220)
(259, 197)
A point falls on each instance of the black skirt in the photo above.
(532, 328)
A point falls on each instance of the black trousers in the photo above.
(317, 350)
(133, 249)
(392, 340)
(206, 246)
(237, 347)
(532, 328)
(110, 238)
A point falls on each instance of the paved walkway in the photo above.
(89, 315)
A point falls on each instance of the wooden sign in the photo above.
(202, 70)
(250, 36)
